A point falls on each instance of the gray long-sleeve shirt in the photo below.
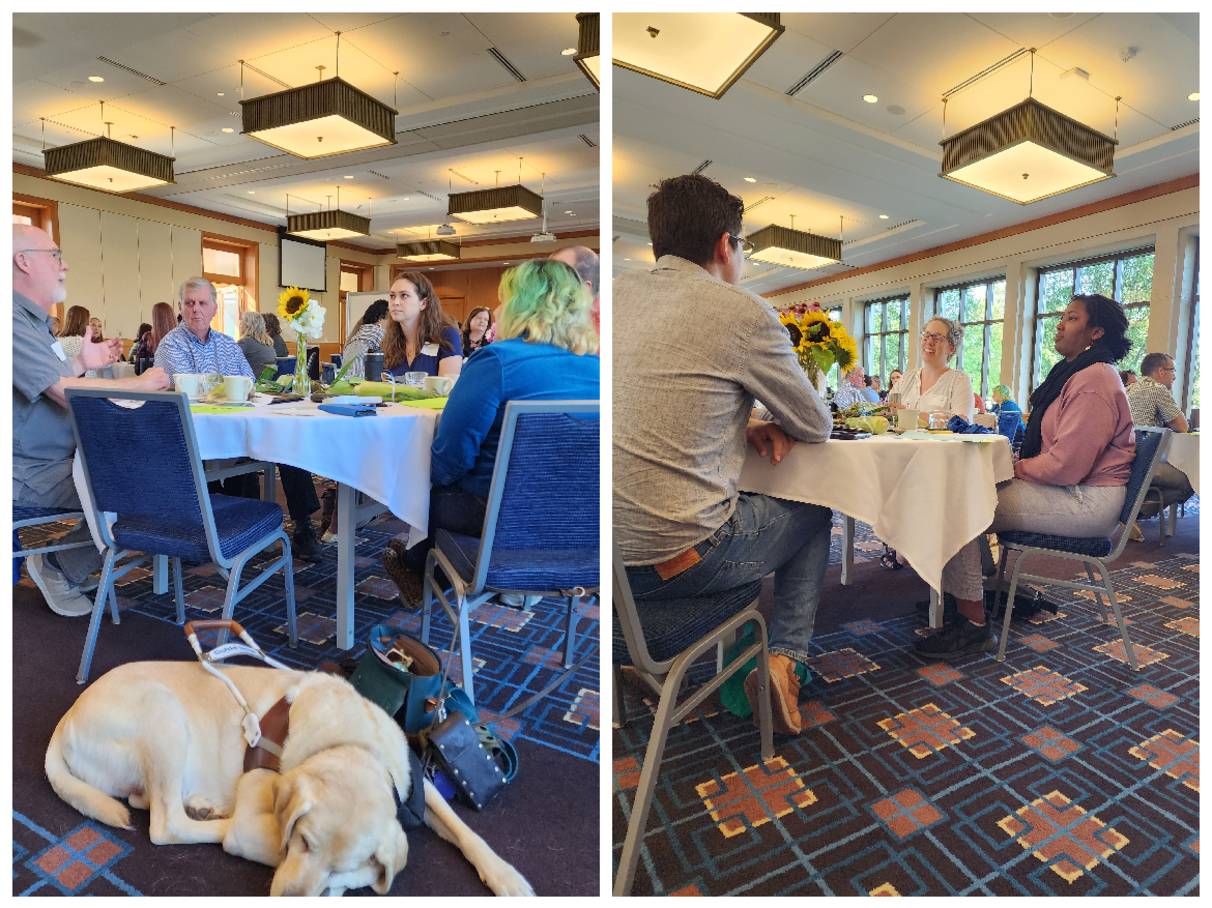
(690, 355)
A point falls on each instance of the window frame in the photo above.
(902, 333)
(43, 213)
(366, 281)
(245, 285)
(1192, 334)
(985, 324)
(1075, 265)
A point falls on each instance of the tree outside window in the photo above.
(885, 335)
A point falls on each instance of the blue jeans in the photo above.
(764, 534)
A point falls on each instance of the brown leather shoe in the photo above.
(784, 694)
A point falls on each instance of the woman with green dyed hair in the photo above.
(546, 349)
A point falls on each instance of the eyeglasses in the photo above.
(745, 246)
(56, 254)
(935, 338)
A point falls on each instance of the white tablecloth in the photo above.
(386, 456)
(1184, 455)
(924, 496)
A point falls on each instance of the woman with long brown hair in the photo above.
(418, 337)
(72, 338)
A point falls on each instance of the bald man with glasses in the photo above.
(43, 443)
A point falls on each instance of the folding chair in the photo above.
(540, 533)
(661, 640)
(162, 504)
(1092, 552)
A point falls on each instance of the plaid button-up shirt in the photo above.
(1151, 404)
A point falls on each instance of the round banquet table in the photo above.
(924, 495)
(1184, 455)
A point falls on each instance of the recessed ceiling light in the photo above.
(570, 212)
(349, 176)
(219, 94)
(227, 129)
(1194, 96)
(883, 217)
(568, 52)
(96, 78)
(750, 179)
(252, 192)
(627, 260)
(404, 199)
(505, 263)
(871, 99)
(650, 244)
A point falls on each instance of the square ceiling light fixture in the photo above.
(495, 206)
(111, 166)
(320, 119)
(429, 251)
(333, 224)
(588, 57)
(1028, 153)
(703, 52)
(792, 248)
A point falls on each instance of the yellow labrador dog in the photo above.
(166, 736)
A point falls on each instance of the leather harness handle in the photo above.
(212, 623)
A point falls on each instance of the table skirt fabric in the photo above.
(1184, 455)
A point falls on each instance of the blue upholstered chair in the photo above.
(540, 533)
(161, 503)
(286, 365)
(1010, 424)
(1091, 553)
(661, 640)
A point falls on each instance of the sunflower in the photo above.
(291, 303)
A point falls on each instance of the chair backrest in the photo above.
(162, 476)
(1009, 422)
(1151, 446)
(544, 495)
(286, 365)
(629, 619)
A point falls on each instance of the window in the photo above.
(355, 278)
(1191, 391)
(42, 213)
(1125, 276)
(885, 334)
(831, 377)
(231, 265)
(980, 307)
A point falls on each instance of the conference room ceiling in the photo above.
(823, 154)
(460, 108)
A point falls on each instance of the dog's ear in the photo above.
(391, 856)
(292, 800)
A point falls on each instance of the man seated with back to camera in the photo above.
(194, 347)
(44, 445)
(682, 406)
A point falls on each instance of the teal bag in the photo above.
(732, 691)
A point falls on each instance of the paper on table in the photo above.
(433, 403)
(215, 409)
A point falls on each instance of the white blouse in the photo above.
(952, 393)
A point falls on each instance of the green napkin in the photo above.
(215, 409)
(433, 403)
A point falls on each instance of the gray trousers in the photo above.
(76, 564)
(1038, 508)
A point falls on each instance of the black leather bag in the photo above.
(467, 756)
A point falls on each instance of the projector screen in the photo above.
(301, 263)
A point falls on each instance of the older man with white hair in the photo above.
(43, 443)
(584, 261)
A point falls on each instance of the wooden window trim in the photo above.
(48, 221)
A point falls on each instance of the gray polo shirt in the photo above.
(690, 355)
(43, 444)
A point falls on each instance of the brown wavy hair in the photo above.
(76, 322)
(433, 320)
(163, 320)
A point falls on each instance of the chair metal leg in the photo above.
(288, 577)
(113, 605)
(617, 701)
(427, 590)
(229, 600)
(1174, 518)
(1096, 587)
(1018, 566)
(1003, 558)
(573, 602)
(1119, 616)
(464, 632)
(765, 719)
(159, 574)
(94, 623)
(847, 548)
(179, 589)
(642, 803)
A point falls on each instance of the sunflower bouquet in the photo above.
(306, 317)
(818, 342)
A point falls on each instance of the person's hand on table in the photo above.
(768, 438)
(95, 355)
(154, 379)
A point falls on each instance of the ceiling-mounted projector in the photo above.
(543, 238)
(445, 230)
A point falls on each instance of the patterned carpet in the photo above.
(1058, 772)
(515, 652)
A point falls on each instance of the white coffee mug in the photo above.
(906, 420)
(236, 388)
(439, 384)
(191, 383)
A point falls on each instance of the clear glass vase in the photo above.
(302, 384)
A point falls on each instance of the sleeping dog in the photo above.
(166, 736)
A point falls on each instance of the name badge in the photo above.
(429, 350)
(58, 348)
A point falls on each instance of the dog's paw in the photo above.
(503, 879)
(198, 808)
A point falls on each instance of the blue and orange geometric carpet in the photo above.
(1057, 772)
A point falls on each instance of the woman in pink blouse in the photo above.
(1073, 467)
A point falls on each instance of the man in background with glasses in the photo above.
(691, 353)
(43, 443)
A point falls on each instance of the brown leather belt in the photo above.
(268, 752)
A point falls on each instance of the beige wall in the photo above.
(125, 255)
(1169, 223)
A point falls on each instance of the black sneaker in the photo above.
(304, 544)
(959, 638)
